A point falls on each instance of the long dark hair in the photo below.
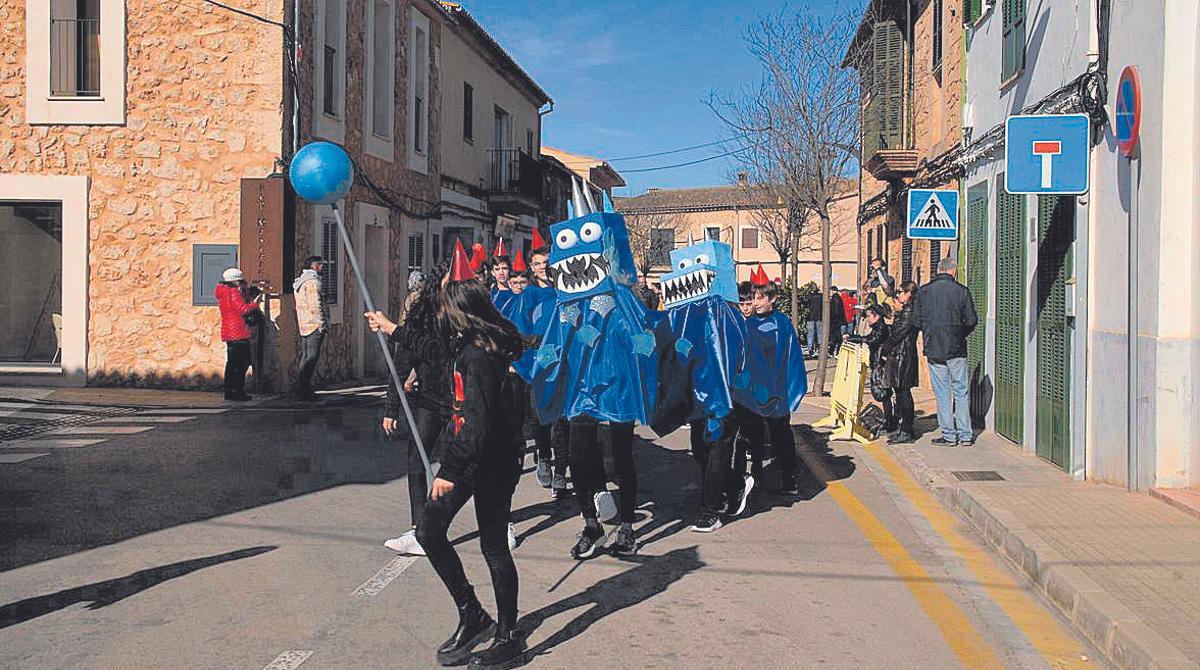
(468, 316)
(419, 332)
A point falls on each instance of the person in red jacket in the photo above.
(234, 331)
(849, 302)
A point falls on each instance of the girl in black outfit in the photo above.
(482, 460)
(422, 359)
(899, 353)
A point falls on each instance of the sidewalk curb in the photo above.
(1094, 613)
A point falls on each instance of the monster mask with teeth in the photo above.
(590, 256)
(698, 374)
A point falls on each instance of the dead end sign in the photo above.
(932, 214)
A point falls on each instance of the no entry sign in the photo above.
(1129, 111)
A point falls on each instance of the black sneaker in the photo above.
(943, 442)
(788, 486)
(707, 523)
(626, 544)
(474, 626)
(902, 438)
(590, 543)
(967, 443)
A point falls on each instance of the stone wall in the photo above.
(203, 100)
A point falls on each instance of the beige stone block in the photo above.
(168, 169)
(123, 205)
(201, 208)
(147, 149)
(102, 325)
(7, 147)
(236, 142)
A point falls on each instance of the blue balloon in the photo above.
(321, 172)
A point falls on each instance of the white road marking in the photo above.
(289, 660)
(49, 444)
(44, 416)
(133, 418)
(385, 576)
(184, 411)
(17, 458)
(101, 430)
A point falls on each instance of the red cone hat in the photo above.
(539, 242)
(500, 250)
(518, 264)
(759, 276)
(460, 269)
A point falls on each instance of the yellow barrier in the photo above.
(846, 398)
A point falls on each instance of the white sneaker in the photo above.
(606, 506)
(512, 537)
(406, 544)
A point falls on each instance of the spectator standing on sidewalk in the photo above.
(812, 304)
(878, 278)
(234, 331)
(945, 314)
(898, 356)
(313, 320)
(849, 302)
(837, 320)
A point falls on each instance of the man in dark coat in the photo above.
(812, 305)
(945, 314)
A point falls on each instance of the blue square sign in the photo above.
(1047, 154)
(932, 215)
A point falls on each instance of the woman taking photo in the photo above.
(899, 358)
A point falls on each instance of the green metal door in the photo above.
(974, 248)
(1056, 232)
(1010, 313)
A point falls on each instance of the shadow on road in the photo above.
(651, 576)
(103, 594)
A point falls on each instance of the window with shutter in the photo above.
(1013, 54)
(749, 238)
(870, 244)
(1010, 313)
(1056, 225)
(972, 11)
(416, 253)
(906, 260)
(887, 55)
(330, 275)
(937, 37)
(976, 277)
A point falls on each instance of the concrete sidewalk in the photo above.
(1123, 568)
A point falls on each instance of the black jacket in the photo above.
(874, 339)
(433, 385)
(945, 314)
(812, 302)
(899, 352)
(487, 413)
(837, 314)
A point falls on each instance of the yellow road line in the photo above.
(966, 642)
(1042, 630)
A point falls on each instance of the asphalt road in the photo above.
(252, 539)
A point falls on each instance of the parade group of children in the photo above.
(555, 348)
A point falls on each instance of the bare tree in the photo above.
(650, 249)
(799, 127)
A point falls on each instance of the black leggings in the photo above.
(550, 443)
(721, 480)
(237, 361)
(430, 425)
(904, 409)
(783, 441)
(493, 503)
(587, 466)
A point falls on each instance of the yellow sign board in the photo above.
(853, 366)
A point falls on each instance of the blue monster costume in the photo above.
(530, 311)
(707, 358)
(777, 381)
(502, 299)
(597, 357)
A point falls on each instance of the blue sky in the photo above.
(630, 78)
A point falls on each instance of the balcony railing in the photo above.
(75, 57)
(515, 172)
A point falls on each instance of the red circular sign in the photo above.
(1128, 121)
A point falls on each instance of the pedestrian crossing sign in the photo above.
(932, 215)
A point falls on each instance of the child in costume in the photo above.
(705, 361)
(597, 362)
(481, 461)
(501, 271)
(745, 450)
(777, 382)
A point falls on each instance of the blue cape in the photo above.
(597, 358)
(777, 381)
(530, 310)
(501, 298)
(704, 358)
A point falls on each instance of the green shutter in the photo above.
(972, 10)
(1056, 226)
(1013, 57)
(938, 12)
(887, 58)
(976, 270)
(1010, 313)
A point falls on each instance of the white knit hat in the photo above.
(232, 275)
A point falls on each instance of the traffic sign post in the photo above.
(932, 215)
(1047, 154)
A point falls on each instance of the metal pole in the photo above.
(382, 339)
(1134, 465)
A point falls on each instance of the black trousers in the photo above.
(430, 425)
(549, 441)
(237, 361)
(587, 466)
(721, 480)
(889, 412)
(905, 411)
(310, 352)
(783, 441)
(493, 504)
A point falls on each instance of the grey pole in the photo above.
(382, 339)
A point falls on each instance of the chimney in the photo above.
(742, 177)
